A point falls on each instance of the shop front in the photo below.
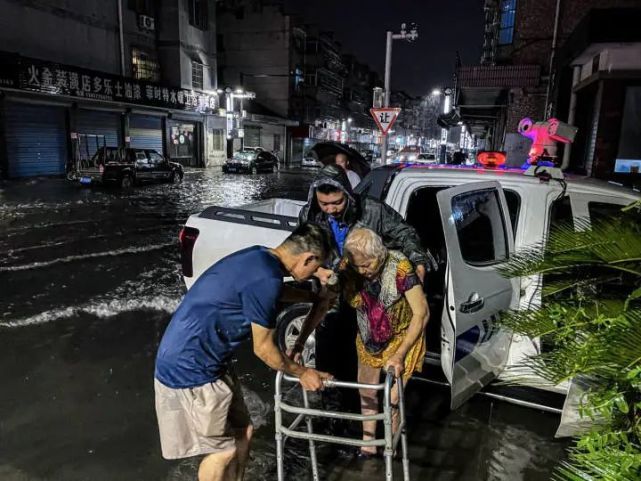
(36, 138)
(146, 132)
(96, 129)
(53, 115)
(184, 142)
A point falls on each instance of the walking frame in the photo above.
(389, 441)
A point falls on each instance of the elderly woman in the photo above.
(392, 315)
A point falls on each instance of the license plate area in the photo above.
(85, 180)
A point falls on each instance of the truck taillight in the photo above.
(187, 238)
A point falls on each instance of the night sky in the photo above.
(445, 26)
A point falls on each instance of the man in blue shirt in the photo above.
(199, 403)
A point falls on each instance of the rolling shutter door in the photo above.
(252, 136)
(98, 126)
(146, 132)
(36, 140)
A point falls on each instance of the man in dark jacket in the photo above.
(335, 207)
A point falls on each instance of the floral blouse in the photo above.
(382, 310)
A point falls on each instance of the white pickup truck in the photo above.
(471, 219)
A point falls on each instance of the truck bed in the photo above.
(224, 230)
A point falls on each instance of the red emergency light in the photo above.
(491, 159)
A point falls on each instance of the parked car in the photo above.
(409, 154)
(126, 167)
(368, 155)
(310, 161)
(251, 160)
(471, 220)
(426, 159)
(391, 154)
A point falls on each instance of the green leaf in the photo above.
(590, 328)
(636, 294)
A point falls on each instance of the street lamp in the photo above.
(446, 108)
(408, 36)
(231, 116)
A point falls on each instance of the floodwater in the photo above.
(89, 280)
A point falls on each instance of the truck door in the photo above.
(142, 166)
(478, 236)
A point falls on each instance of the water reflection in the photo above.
(86, 298)
(124, 241)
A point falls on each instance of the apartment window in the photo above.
(145, 65)
(198, 15)
(310, 79)
(142, 7)
(217, 140)
(508, 15)
(299, 79)
(197, 75)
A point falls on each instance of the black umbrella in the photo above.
(326, 153)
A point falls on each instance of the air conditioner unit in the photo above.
(146, 23)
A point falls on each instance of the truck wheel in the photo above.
(288, 326)
(254, 170)
(126, 182)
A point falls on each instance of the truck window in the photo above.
(479, 224)
(561, 213)
(375, 183)
(424, 215)
(600, 211)
(155, 158)
(514, 206)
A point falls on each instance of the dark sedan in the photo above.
(251, 161)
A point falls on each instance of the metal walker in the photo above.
(389, 442)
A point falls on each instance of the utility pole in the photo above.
(235, 120)
(408, 36)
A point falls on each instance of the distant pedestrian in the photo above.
(199, 402)
(342, 160)
(458, 158)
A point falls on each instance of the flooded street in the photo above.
(90, 278)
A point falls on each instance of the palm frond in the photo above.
(586, 341)
(614, 246)
(612, 463)
(590, 278)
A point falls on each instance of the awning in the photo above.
(482, 92)
(450, 119)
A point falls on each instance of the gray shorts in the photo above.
(200, 420)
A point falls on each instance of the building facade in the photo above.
(261, 49)
(598, 89)
(521, 69)
(127, 73)
(298, 72)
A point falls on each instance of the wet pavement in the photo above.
(89, 279)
